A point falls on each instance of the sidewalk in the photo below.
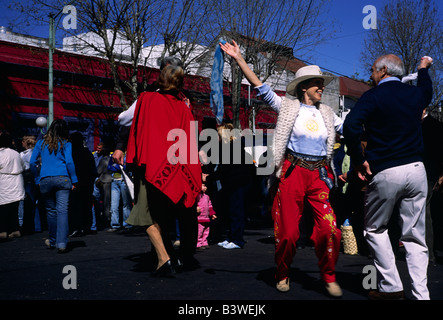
(114, 266)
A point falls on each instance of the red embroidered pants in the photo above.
(287, 210)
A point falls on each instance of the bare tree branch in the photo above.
(410, 29)
(270, 33)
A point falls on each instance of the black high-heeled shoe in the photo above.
(166, 270)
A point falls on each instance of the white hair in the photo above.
(395, 67)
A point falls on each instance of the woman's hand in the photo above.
(232, 50)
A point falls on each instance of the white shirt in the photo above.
(309, 135)
(12, 187)
(26, 157)
(125, 118)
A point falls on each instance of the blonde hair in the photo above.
(225, 132)
(29, 141)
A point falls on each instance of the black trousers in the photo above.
(9, 217)
(165, 212)
(80, 208)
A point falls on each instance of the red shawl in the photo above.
(157, 119)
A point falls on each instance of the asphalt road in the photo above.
(117, 266)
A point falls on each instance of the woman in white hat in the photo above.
(303, 146)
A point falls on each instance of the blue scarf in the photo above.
(216, 97)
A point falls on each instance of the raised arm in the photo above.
(424, 80)
(233, 50)
(425, 62)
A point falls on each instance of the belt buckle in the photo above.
(311, 166)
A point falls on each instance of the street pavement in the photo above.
(117, 266)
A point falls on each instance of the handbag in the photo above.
(348, 239)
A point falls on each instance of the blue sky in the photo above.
(340, 55)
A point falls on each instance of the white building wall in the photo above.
(7, 35)
(91, 43)
(199, 62)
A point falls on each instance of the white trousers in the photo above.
(403, 187)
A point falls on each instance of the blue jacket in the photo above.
(391, 116)
(60, 164)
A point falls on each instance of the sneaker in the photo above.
(334, 289)
(176, 243)
(222, 244)
(231, 245)
(283, 285)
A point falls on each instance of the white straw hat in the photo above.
(305, 73)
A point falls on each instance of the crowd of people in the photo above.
(377, 169)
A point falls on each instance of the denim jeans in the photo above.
(119, 188)
(96, 207)
(237, 214)
(55, 193)
(31, 197)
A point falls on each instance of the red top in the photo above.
(163, 137)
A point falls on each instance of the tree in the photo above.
(183, 28)
(268, 33)
(112, 21)
(120, 30)
(409, 29)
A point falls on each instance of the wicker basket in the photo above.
(348, 239)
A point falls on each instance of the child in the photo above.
(206, 213)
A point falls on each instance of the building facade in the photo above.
(84, 92)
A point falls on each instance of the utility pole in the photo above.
(51, 68)
(51, 63)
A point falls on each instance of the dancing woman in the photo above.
(303, 145)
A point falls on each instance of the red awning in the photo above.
(353, 88)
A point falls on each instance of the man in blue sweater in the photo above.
(390, 114)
